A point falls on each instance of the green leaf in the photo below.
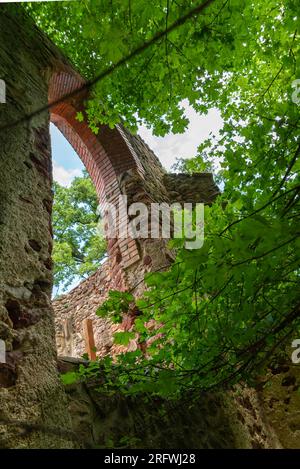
(123, 338)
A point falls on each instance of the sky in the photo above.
(66, 162)
(67, 165)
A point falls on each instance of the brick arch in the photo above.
(106, 157)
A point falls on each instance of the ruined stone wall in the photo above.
(205, 421)
(279, 400)
(82, 302)
(210, 421)
(190, 188)
(34, 409)
(265, 417)
(32, 401)
(119, 164)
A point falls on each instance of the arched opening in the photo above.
(105, 156)
(78, 247)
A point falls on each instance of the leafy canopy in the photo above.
(226, 308)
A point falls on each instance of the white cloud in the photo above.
(64, 176)
(166, 148)
(185, 145)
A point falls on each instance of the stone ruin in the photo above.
(35, 409)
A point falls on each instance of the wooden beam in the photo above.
(89, 338)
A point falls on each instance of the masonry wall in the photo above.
(265, 417)
(36, 73)
(35, 411)
(82, 302)
(32, 401)
(210, 420)
(71, 310)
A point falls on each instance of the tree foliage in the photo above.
(78, 248)
(226, 308)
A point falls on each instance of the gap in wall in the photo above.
(66, 166)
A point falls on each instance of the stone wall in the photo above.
(82, 302)
(32, 401)
(190, 188)
(279, 400)
(216, 420)
(265, 417)
(35, 412)
(211, 421)
(36, 74)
